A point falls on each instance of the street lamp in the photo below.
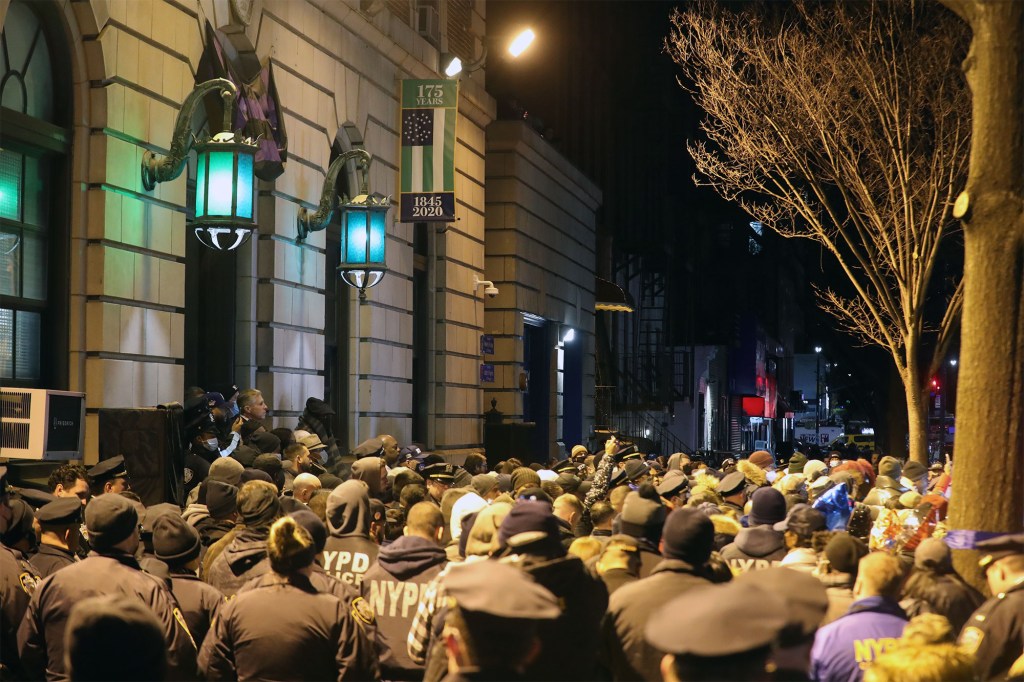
(225, 210)
(817, 396)
(452, 66)
(363, 225)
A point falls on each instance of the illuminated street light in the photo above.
(452, 65)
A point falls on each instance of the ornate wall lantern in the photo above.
(363, 225)
(225, 185)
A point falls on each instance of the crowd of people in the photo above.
(294, 558)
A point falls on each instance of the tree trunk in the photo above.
(895, 422)
(988, 476)
(917, 421)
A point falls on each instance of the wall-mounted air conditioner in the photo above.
(41, 424)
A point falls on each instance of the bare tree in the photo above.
(988, 493)
(846, 124)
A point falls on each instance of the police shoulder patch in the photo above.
(28, 582)
(970, 638)
(362, 611)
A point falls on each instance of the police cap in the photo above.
(37, 498)
(732, 484)
(627, 451)
(805, 596)
(673, 484)
(472, 587)
(717, 620)
(635, 469)
(565, 466)
(1000, 547)
(108, 469)
(63, 511)
(442, 473)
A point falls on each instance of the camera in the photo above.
(489, 289)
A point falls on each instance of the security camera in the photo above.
(489, 289)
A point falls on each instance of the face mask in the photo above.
(772, 473)
(211, 444)
(232, 409)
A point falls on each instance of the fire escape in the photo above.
(639, 373)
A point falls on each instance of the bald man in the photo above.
(304, 487)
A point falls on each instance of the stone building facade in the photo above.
(119, 321)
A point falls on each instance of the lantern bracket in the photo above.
(162, 169)
(314, 221)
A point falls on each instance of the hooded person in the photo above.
(759, 545)
(316, 420)
(394, 584)
(686, 544)
(528, 538)
(838, 572)
(469, 503)
(483, 536)
(245, 557)
(371, 471)
(349, 551)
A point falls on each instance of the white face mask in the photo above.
(211, 444)
(771, 474)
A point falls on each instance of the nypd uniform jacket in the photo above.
(49, 559)
(995, 633)
(198, 601)
(311, 635)
(41, 635)
(17, 581)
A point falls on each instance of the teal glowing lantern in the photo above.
(363, 224)
(225, 205)
(363, 239)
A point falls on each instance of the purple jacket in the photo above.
(844, 647)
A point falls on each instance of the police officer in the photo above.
(17, 582)
(491, 633)
(439, 477)
(59, 522)
(733, 489)
(109, 476)
(718, 632)
(995, 632)
(111, 568)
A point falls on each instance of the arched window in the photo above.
(34, 142)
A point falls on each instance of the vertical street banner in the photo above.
(428, 150)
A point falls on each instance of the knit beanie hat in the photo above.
(483, 536)
(689, 535)
(265, 442)
(221, 499)
(914, 471)
(313, 525)
(174, 541)
(762, 458)
(797, 463)
(814, 469)
(767, 506)
(483, 484)
(844, 552)
(258, 504)
(523, 477)
(226, 469)
(890, 466)
(504, 483)
(110, 519)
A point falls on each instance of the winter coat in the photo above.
(803, 559)
(49, 559)
(349, 551)
(755, 548)
(393, 587)
(624, 650)
(995, 634)
(41, 634)
(583, 599)
(241, 561)
(316, 419)
(839, 589)
(282, 629)
(198, 601)
(17, 581)
(871, 626)
(945, 594)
